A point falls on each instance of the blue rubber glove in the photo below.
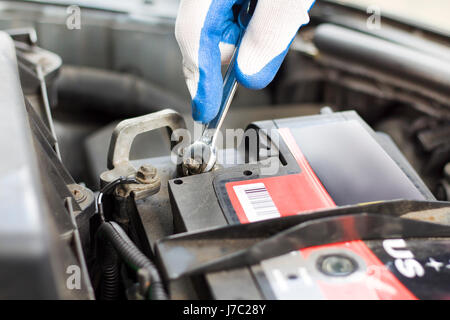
(207, 32)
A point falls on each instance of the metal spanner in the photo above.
(201, 156)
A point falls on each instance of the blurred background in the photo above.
(432, 13)
(136, 36)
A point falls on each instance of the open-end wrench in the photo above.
(201, 155)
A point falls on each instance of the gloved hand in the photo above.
(207, 32)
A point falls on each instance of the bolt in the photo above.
(337, 265)
(78, 193)
(146, 174)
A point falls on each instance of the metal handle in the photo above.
(123, 137)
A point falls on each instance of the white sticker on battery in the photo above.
(256, 202)
(290, 278)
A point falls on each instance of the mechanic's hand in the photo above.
(206, 32)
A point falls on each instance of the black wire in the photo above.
(125, 247)
(133, 257)
(109, 187)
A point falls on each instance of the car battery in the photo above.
(283, 235)
(325, 161)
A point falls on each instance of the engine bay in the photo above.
(331, 183)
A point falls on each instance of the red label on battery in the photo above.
(267, 198)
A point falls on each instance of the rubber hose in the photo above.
(110, 285)
(128, 251)
(83, 89)
(109, 262)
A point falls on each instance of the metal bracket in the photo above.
(120, 146)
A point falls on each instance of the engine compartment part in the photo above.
(40, 225)
(111, 93)
(335, 184)
(151, 286)
(402, 61)
(316, 173)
